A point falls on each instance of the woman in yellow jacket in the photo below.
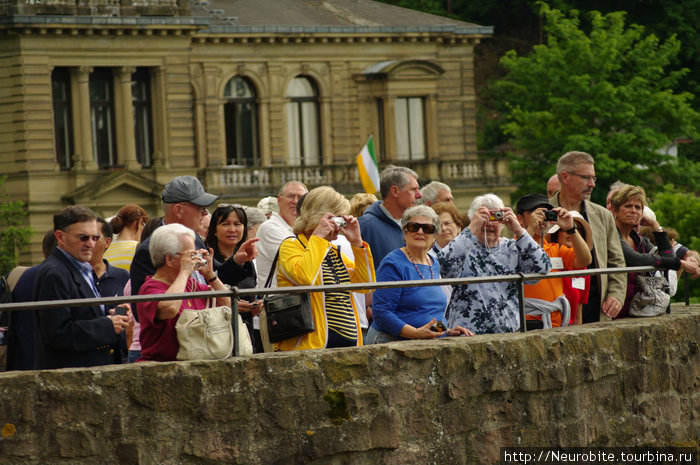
(310, 259)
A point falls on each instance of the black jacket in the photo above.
(70, 336)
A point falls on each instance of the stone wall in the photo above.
(450, 401)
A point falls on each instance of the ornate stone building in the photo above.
(103, 101)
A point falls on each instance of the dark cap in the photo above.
(187, 189)
(531, 201)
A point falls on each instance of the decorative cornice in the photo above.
(102, 26)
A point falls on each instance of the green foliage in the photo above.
(682, 212)
(13, 236)
(607, 92)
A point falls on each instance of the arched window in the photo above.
(303, 125)
(241, 120)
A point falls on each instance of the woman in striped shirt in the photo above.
(310, 258)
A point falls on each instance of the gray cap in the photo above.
(268, 204)
(187, 189)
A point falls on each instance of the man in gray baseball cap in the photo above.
(184, 201)
(187, 189)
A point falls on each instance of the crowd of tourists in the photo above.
(320, 237)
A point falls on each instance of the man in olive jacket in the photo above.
(577, 178)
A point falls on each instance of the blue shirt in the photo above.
(392, 309)
(112, 282)
(86, 272)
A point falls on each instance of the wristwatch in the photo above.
(572, 230)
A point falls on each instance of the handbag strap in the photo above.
(273, 267)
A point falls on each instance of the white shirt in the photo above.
(271, 234)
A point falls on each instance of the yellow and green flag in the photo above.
(369, 170)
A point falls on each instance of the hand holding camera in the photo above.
(496, 215)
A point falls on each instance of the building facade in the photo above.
(102, 102)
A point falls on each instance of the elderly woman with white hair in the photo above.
(479, 250)
(411, 312)
(311, 259)
(174, 257)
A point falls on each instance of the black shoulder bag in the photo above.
(288, 315)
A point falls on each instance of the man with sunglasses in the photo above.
(184, 201)
(577, 178)
(84, 335)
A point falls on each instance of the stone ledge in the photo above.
(449, 401)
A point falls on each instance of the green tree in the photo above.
(607, 92)
(682, 212)
(13, 236)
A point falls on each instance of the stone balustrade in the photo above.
(95, 7)
(345, 177)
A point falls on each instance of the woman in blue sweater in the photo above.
(411, 312)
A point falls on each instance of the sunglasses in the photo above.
(85, 237)
(414, 227)
(229, 205)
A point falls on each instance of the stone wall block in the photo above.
(347, 366)
(170, 387)
(439, 402)
(212, 445)
(77, 442)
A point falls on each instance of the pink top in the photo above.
(136, 328)
(158, 337)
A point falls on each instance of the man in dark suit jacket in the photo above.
(74, 336)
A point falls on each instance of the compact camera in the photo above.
(496, 215)
(439, 327)
(340, 222)
(550, 215)
(199, 260)
(120, 310)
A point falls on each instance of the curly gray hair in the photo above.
(421, 210)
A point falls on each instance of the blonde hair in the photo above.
(318, 202)
(627, 193)
(360, 202)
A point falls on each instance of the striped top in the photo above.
(342, 326)
(121, 253)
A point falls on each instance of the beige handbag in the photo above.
(208, 334)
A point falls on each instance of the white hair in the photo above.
(422, 210)
(491, 201)
(430, 191)
(166, 241)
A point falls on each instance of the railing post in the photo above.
(234, 322)
(521, 302)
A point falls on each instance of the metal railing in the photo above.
(236, 293)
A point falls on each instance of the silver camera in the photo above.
(199, 260)
(340, 222)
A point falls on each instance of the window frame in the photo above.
(64, 144)
(233, 128)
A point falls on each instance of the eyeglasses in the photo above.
(293, 196)
(587, 178)
(85, 237)
(414, 227)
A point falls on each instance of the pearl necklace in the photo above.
(410, 257)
